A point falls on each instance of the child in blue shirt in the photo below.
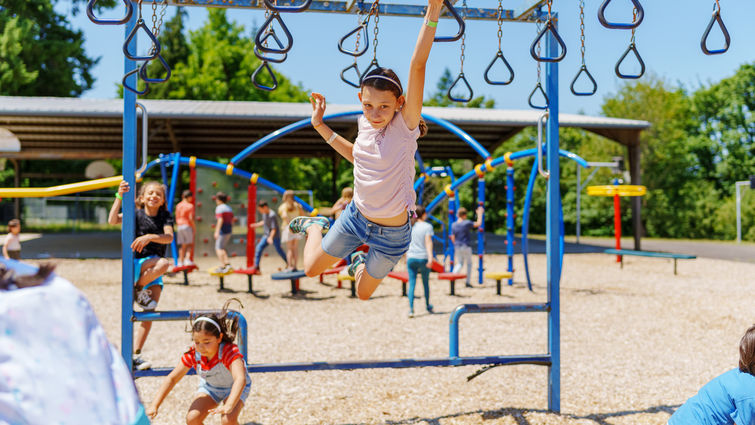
(728, 398)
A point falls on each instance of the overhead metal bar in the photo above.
(527, 8)
(532, 13)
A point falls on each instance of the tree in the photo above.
(40, 54)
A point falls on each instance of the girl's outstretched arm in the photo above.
(340, 144)
(416, 86)
(115, 217)
(170, 381)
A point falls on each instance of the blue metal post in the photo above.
(510, 219)
(171, 200)
(481, 230)
(553, 228)
(127, 227)
(449, 223)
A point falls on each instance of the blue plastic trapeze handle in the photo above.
(461, 78)
(355, 53)
(617, 25)
(539, 88)
(716, 18)
(133, 89)
(155, 43)
(346, 80)
(459, 20)
(266, 66)
(583, 70)
(499, 55)
(261, 56)
(533, 48)
(145, 78)
(98, 21)
(260, 37)
(373, 65)
(632, 48)
(288, 9)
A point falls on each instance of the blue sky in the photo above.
(668, 40)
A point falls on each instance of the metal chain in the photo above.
(550, 3)
(463, 38)
(359, 33)
(538, 28)
(163, 9)
(717, 7)
(634, 19)
(500, 23)
(154, 18)
(582, 28)
(375, 29)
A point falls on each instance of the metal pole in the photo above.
(127, 227)
(738, 186)
(510, 220)
(481, 230)
(579, 198)
(552, 228)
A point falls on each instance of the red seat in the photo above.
(189, 268)
(451, 278)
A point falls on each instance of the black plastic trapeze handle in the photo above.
(261, 56)
(617, 25)
(261, 37)
(346, 80)
(459, 20)
(133, 89)
(461, 78)
(155, 43)
(548, 27)
(264, 65)
(716, 18)
(632, 48)
(98, 21)
(499, 55)
(146, 79)
(539, 88)
(355, 53)
(288, 9)
(583, 70)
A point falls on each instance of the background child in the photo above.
(728, 398)
(223, 231)
(224, 383)
(154, 232)
(419, 258)
(12, 245)
(288, 210)
(347, 194)
(462, 240)
(383, 158)
(186, 230)
(272, 233)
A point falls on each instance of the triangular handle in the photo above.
(98, 21)
(155, 44)
(462, 26)
(260, 37)
(264, 65)
(583, 70)
(374, 64)
(499, 55)
(288, 9)
(632, 48)
(261, 56)
(530, 100)
(716, 18)
(133, 89)
(361, 27)
(617, 25)
(461, 78)
(548, 27)
(145, 78)
(346, 80)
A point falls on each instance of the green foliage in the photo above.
(40, 54)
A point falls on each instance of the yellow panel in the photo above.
(621, 190)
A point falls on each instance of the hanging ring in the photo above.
(716, 18)
(463, 79)
(583, 70)
(632, 48)
(146, 79)
(133, 89)
(355, 53)
(156, 44)
(260, 37)
(261, 56)
(96, 20)
(459, 20)
(533, 48)
(539, 88)
(374, 64)
(617, 25)
(498, 55)
(266, 66)
(346, 80)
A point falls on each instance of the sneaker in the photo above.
(300, 224)
(225, 269)
(179, 264)
(430, 309)
(469, 285)
(140, 363)
(411, 314)
(143, 297)
(357, 258)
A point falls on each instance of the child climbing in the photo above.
(153, 233)
(224, 383)
(186, 228)
(383, 158)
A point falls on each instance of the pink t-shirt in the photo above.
(384, 168)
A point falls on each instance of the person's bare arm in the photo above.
(479, 211)
(115, 217)
(339, 143)
(169, 382)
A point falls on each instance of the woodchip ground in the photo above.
(635, 343)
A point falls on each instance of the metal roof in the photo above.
(50, 127)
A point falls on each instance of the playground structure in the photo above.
(617, 191)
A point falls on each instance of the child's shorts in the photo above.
(387, 244)
(14, 254)
(222, 241)
(138, 271)
(220, 394)
(184, 235)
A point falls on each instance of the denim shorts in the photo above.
(222, 241)
(387, 244)
(220, 394)
(138, 271)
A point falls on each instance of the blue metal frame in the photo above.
(510, 222)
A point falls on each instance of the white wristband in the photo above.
(332, 138)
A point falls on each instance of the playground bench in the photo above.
(221, 277)
(498, 277)
(249, 273)
(623, 252)
(403, 277)
(452, 277)
(293, 276)
(185, 270)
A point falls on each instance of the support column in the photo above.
(636, 179)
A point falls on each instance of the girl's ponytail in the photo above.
(422, 127)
